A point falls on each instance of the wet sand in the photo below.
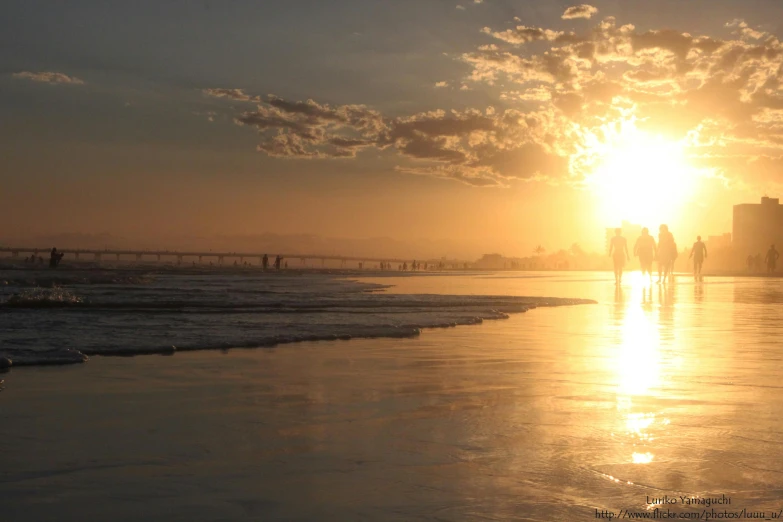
(549, 415)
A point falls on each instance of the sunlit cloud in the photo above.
(579, 11)
(559, 95)
(231, 94)
(48, 77)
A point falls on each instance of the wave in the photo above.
(279, 333)
(58, 325)
(43, 298)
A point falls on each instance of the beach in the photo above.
(559, 413)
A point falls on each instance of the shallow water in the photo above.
(60, 317)
(557, 414)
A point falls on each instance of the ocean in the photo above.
(559, 413)
(66, 316)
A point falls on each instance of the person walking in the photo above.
(618, 251)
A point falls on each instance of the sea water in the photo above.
(65, 316)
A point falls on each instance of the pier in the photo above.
(97, 255)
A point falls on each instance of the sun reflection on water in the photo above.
(637, 363)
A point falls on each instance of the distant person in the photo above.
(771, 258)
(751, 262)
(405, 267)
(699, 254)
(55, 258)
(286, 265)
(278, 259)
(265, 262)
(667, 253)
(618, 251)
(646, 249)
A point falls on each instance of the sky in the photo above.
(498, 125)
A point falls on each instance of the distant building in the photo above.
(630, 233)
(721, 242)
(756, 226)
(491, 261)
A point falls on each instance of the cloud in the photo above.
(579, 11)
(522, 34)
(48, 77)
(561, 96)
(231, 94)
(480, 148)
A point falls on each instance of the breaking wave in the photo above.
(166, 314)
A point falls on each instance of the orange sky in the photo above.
(476, 123)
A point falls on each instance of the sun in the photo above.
(640, 178)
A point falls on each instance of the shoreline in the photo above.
(391, 332)
(164, 269)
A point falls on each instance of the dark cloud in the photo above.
(470, 146)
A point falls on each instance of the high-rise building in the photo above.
(757, 226)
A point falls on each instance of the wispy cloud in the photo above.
(48, 77)
(231, 94)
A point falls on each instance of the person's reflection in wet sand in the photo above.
(666, 301)
(698, 291)
(618, 295)
(647, 298)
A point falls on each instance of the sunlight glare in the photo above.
(642, 179)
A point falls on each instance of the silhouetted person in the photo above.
(618, 250)
(646, 249)
(667, 252)
(278, 259)
(405, 267)
(751, 262)
(771, 258)
(265, 262)
(699, 254)
(55, 258)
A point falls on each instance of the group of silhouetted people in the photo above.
(664, 252)
(54, 259)
(34, 260)
(771, 260)
(278, 262)
(414, 266)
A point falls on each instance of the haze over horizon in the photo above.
(484, 125)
